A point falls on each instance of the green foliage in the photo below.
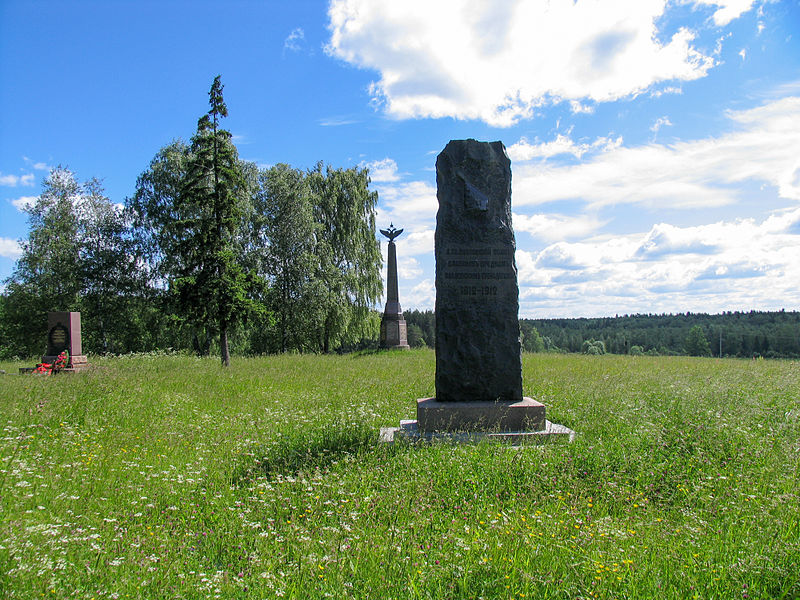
(154, 207)
(137, 480)
(76, 257)
(595, 347)
(347, 249)
(206, 246)
(636, 351)
(211, 288)
(696, 343)
(416, 337)
(426, 322)
(283, 204)
(531, 340)
(744, 334)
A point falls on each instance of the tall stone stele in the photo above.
(64, 333)
(478, 349)
(394, 333)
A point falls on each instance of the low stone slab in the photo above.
(409, 431)
(499, 416)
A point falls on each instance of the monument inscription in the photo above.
(478, 350)
(64, 333)
(477, 299)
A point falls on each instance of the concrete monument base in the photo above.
(524, 415)
(409, 431)
(394, 333)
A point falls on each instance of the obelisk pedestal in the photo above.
(394, 333)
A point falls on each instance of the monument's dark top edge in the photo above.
(474, 140)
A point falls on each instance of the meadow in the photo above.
(171, 477)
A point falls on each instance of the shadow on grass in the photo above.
(310, 449)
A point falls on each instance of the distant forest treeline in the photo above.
(739, 334)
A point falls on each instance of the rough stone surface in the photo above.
(478, 352)
(523, 415)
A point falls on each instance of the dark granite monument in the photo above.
(64, 333)
(478, 350)
(394, 333)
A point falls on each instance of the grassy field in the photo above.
(169, 477)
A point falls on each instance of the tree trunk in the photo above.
(326, 337)
(223, 345)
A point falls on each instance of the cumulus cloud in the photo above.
(10, 248)
(23, 202)
(708, 268)
(420, 296)
(408, 267)
(39, 166)
(409, 205)
(524, 150)
(15, 180)
(764, 147)
(382, 170)
(665, 239)
(499, 61)
(551, 227)
(727, 10)
(419, 241)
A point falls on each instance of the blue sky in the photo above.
(655, 145)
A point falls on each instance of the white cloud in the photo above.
(408, 267)
(659, 123)
(665, 239)
(15, 180)
(764, 147)
(418, 242)
(295, 40)
(578, 108)
(336, 121)
(24, 202)
(729, 265)
(551, 227)
(499, 61)
(523, 150)
(666, 90)
(382, 170)
(411, 206)
(39, 166)
(728, 9)
(421, 296)
(10, 248)
(743, 53)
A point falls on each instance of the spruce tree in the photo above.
(212, 289)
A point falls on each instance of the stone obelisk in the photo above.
(393, 325)
(478, 359)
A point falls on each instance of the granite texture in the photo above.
(478, 350)
(524, 415)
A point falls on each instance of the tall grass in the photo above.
(170, 477)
